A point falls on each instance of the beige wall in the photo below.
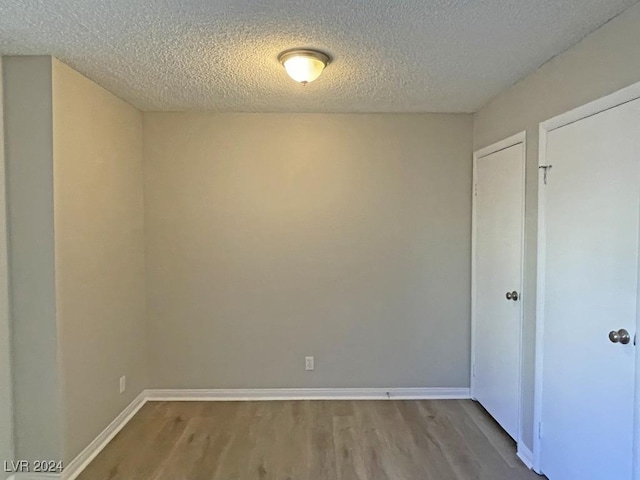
(75, 205)
(29, 160)
(271, 237)
(6, 396)
(99, 247)
(605, 61)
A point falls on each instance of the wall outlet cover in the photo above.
(309, 364)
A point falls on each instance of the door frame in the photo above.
(7, 446)
(517, 139)
(608, 102)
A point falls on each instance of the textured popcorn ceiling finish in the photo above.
(389, 56)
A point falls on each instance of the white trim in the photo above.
(7, 449)
(540, 289)
(309, 394)
(85, 457)
(613, 100)
(636, 415)
(517, 139)
(520, 137)
(525, 455)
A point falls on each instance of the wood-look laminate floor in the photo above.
(310, 440)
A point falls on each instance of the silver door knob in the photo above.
(512, 296)
(621, 336)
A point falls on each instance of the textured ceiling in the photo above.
(389, 56)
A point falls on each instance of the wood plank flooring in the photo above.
(310, 440)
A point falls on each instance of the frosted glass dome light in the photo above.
(304, 66)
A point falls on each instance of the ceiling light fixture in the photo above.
(304, 65)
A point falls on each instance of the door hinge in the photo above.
(539, 429)
(546, 169)
(475, 189)
(473, 370)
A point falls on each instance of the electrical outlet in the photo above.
(123, 384)
(308, 364)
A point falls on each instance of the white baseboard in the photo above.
(78, 464)
(525, 455)
(309, 394)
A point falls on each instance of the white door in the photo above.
(498, 213)
(591, 219)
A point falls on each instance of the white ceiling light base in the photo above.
(304, 65)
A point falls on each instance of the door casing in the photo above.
(519, 138)
(605, 103)
(6, 410)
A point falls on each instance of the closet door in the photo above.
(589, 295)
(497, 284)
